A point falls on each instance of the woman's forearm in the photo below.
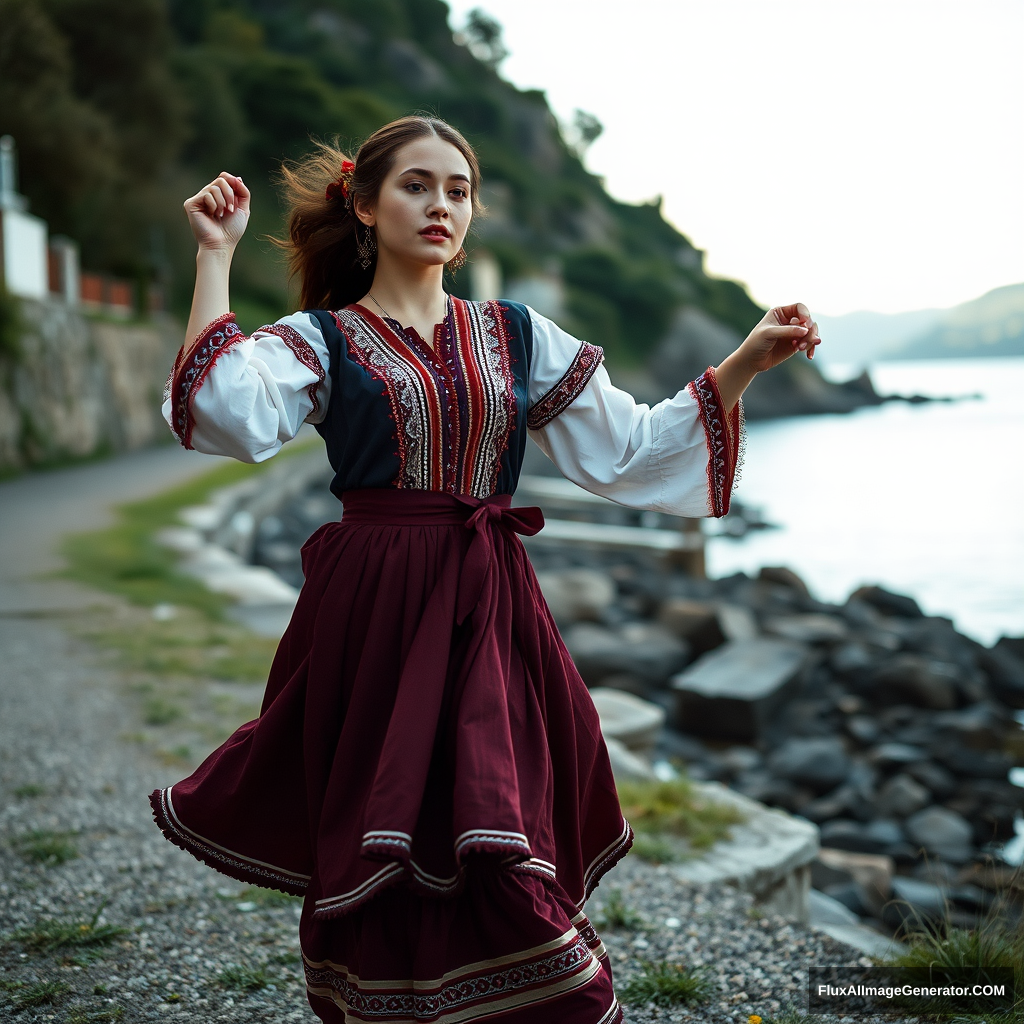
(733, 374)
(211, 296)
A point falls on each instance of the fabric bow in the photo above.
(478, 567)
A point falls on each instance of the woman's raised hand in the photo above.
(782, 332)
(219, 212)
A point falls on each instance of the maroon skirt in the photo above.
(427, 771)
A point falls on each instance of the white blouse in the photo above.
(678, 456)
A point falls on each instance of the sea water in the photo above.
(926, 500)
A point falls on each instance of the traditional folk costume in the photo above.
(427, 770)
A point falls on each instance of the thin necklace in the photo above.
(390, 317)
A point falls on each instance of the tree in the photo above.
(483, 37)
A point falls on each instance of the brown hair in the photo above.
(321, 242)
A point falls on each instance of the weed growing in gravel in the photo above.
(157, 711)
(992, 953)
(791, 1015)
(244, 979)
(43, 847)
(29, 791)
(25, 997)
(666, 984)
(676, 808)
(615, 914)
(79, 935)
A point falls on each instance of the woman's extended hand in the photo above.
(782, 332)
(219, 212)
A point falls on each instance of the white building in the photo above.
(25, 254)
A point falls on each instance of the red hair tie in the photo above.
(341, 187)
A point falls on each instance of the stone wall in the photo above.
(79, 386)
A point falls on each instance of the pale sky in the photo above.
(850, 154)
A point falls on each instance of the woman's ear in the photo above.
(364, 211)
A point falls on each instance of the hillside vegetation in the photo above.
(122, 110)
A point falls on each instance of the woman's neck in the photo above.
(411, 294)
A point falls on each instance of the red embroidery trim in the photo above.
(569, 387)
(303, 351)
(189, 372)
(724, 434)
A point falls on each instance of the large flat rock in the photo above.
(732, 691)
(628, 719)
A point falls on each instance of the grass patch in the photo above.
(791, 1015)
(666, 984)
(191, 646)
(674, 808)
(157, 711)
(29, 791)
(941, 954)
(73, 934)
(244, 979)
(615, 914)
(125, 559)
(48, 848)
(24, 997)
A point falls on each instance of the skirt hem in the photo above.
(265, 876)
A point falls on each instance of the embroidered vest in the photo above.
(451, 418)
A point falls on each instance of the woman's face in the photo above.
(424, 208)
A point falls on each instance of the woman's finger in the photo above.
(786, 332)
(227, 194)
(237, 185)
(209, 201)
(796, 310)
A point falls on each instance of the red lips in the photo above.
(436, 231)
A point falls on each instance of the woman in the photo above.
(427, 769)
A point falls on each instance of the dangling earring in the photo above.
(458, 261)
(366, 248)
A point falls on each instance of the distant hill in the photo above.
(864, 337)
(992, 325)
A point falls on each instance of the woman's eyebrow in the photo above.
(424, 173)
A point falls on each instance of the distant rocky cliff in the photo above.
(72, 387)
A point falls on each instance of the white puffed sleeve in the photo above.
(245, 396)
(679, 456)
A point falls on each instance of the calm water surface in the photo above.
(926, 500)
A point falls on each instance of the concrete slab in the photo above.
(768, 855)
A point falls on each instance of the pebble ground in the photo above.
(199, 947)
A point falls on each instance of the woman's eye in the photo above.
(415, 186)
(460, 193)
